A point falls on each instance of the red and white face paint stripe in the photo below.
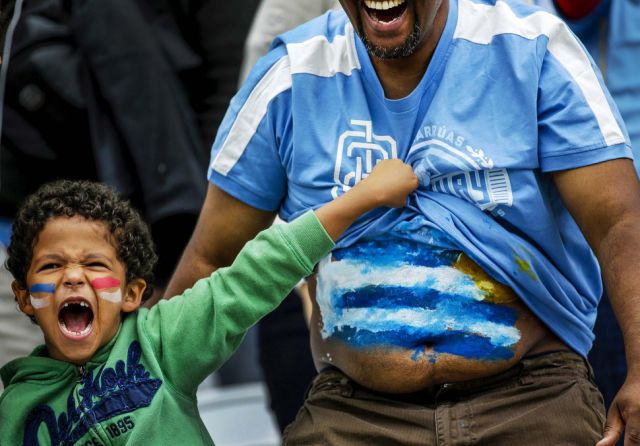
(107, 288)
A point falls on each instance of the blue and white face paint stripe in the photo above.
(40, 294)
(403, 293)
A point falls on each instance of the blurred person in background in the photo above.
(273, 18)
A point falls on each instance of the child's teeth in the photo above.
(77, 333)
(82, 304)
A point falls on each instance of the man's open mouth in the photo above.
(385, 11)
(75, 318)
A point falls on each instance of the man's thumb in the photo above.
(613, 428)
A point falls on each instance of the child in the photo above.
(113, 373)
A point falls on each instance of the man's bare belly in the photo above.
(393, 332)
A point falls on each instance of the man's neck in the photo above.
(399, 77)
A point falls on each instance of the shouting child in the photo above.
(111, 372)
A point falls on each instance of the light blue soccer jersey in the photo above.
(509, 95)
(611, 34)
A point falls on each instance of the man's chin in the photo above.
(405, 49)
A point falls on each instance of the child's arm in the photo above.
(195, 333)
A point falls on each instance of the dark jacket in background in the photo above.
(130, 93)
(93, 90)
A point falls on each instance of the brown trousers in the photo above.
(548, 399)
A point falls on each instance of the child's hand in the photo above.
(389, 183)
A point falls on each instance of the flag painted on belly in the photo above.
(107, 288)
(40, 294)
(404, 293)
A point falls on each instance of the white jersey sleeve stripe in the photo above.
(277, 80)
(479, 23)
(320, 57)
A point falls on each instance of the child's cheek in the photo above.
(40, 302)
(40, 294)
(115, 296)
(107, 288)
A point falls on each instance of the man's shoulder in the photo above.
(480, 21)
(322, 47)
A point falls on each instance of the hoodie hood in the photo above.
(39, 367)
(35, 367)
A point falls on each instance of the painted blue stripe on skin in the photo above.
(472, 335)
(391, 252)
(426, 298)
(43, 288)
(385, 297)
(467, 345)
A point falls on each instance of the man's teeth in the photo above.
(76, 333)
(382, 6)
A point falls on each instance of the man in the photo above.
(464, 319)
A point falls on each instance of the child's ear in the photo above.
(133, 295)
(24, 301)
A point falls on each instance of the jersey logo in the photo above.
(358, 153)
(112, 392)
(445, 163)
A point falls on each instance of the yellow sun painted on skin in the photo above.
(494, 291)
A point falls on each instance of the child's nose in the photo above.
(73, 277)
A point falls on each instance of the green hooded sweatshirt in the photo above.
(140, 388)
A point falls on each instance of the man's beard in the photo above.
(407, 48)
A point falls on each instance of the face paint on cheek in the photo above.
(40, 294)
(115, 296)
(107, 288)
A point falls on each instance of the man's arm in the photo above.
(224, 226)
(604, 199)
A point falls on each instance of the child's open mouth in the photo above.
(75, 318)
(385, 11)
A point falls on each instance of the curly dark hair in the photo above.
(93, 201)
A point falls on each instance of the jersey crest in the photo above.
(358, 153)
(445, 163)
